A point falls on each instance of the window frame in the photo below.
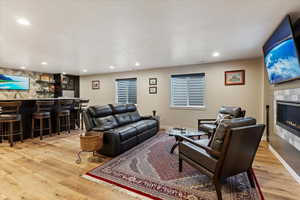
(188, 107)
(116, 90)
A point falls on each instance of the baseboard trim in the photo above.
(290, 170)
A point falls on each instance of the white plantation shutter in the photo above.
(187, 90)
(126, 91)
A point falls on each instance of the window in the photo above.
(126, 91)
(187, 90)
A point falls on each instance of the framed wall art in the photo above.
(96, 85)
(236, 77)
(152, 81)
(152, 90)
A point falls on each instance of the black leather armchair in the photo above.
(209, 125)
(122, 125)
(230, 152)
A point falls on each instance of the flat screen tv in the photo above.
(281, 54)
(8, 82)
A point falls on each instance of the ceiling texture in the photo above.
(73, 35)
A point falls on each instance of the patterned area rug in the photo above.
(150, 170)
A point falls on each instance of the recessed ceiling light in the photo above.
(44, 63)
(216, 54)
(23, 67)
(111, 67)
(84, 70)
(64, 73)
(137, 64)
(23, 21)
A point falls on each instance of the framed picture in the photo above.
(96, 85)
(236, 77)
(152, 90)
(152, 81)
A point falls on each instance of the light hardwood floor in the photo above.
(45, 170)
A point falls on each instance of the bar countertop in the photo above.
(37, 99)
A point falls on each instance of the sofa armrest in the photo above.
(111, 143)
(207, 121)
(206, 148)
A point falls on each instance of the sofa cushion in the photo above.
(123, 118)
(119, 108)
(198, 155)
(131, 108)
(231, 110)
(141, 126)
(135, 116)
(105, 123)
(100, 111)
(151, 123)
(218, 138)
(125, 132)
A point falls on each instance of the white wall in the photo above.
(248, 96)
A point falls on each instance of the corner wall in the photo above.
(248, 96)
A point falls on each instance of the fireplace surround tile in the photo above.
(286, 95)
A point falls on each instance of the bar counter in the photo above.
(28, 107)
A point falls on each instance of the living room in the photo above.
(149, 100)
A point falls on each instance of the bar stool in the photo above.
(42, 114)
(83, 106)
(63, 114)
(9, 116)
(75, 119)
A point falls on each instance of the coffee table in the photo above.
(176, 132)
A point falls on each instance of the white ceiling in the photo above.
(72, 35)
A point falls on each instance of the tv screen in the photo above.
(8, 82)
(281, 54)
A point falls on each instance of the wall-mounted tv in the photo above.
(9, 82)
(281, 54)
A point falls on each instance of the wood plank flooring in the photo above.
(45, 170)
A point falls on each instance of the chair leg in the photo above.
(250, 177)
(11, 139)
(1, 132)
(68, 122)
(180, 165)
(32, 128)
(21, 131)
(218, 188)
(58, 125)
(81, 119)
(50, 127)
(41, 129)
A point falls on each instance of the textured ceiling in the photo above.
(72, 35)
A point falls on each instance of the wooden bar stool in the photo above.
(10, 121)
(83, 106)
(42, 114)
(63, 114)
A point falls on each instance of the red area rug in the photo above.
(150, 170)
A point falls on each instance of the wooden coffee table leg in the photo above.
(174, 146)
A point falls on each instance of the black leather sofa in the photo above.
(122, 125)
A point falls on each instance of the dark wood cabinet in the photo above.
(66, 82)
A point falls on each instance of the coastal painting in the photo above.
(9, 82)
(236, 77)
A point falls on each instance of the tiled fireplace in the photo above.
(287, 115)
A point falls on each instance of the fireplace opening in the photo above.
(288, 116)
